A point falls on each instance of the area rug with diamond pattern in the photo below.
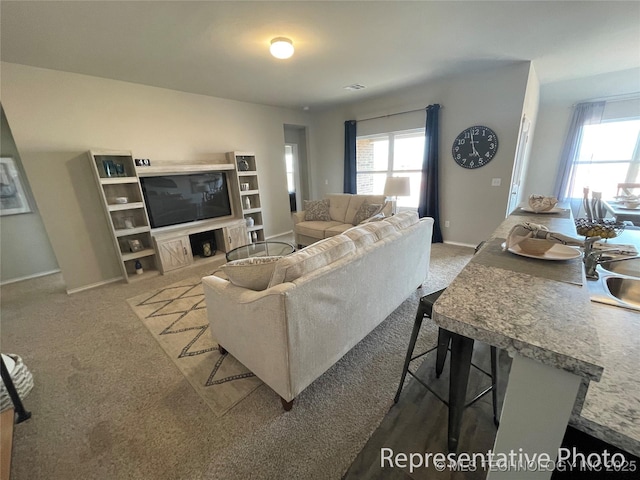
(176, 317)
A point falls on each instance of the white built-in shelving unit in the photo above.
(247, 173)
(116, 178)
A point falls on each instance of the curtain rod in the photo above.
(620, 96)
(394, 114)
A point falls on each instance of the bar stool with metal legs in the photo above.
(461, 351)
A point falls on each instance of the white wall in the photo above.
(56, 117)
(556, 108)
(25, 250)
(494, 98)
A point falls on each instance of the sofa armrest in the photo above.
(252, 326)
(298, 217)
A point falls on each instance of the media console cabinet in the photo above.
(160, 250)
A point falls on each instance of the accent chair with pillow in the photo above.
(336, 214)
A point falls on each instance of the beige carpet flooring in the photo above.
(109, 403)
(176, 317)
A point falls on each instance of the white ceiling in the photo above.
(221, 48)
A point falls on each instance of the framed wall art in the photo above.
(13, 199)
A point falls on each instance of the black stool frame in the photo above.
(461, 352)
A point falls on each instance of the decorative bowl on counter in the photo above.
(631, 203)
(598, 228)
(535, 246)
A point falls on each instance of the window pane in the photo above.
(408, 151)
(609, 141)
(371, 183)
(372, 154)
(599, 177)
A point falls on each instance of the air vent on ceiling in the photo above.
(355, 86)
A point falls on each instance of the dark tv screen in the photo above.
(175, 199)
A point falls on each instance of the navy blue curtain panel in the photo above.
(350, 157)
(428, 206)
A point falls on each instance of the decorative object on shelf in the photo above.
(207, 251)
(121, 200)
(244, 187)
(12, 197)
(128, 222)
(243, 165)
(142, 162)
(397, 187)
(254, 237)
(475, 147)
(109, 168)
(247, 203)
(135, 245)
(120, 170)
(139, 270)
(250, 221)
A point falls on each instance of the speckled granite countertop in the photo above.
(556, 324)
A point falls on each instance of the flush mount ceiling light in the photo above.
(281, 47)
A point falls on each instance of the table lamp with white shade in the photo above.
(396, 187)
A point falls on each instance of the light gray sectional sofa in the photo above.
(342, 210)
(320, 301)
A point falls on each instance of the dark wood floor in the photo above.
(418, 423)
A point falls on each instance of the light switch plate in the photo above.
(495, 182)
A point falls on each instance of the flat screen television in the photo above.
(175, 199)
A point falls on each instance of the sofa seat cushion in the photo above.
(337, 229)
(315, 229)
(317, 210)
(254, 273)
(403, 220)
(311, 258)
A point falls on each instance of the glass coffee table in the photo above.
(260, 249)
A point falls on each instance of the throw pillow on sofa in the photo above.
(317, 210)
(254, 273)
(366, 210)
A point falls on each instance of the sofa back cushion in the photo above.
(311, 258)
(380, 229)
(361, 237)
(338, 204)
(403, 220)
(355, 201)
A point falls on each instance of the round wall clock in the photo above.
(475, 147)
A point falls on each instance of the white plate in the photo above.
(553, 210)
(557, 252)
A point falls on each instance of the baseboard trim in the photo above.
(71, 291)
(29, 277)
(459, 244)
(289, 232)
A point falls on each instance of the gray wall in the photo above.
(495, 98)
(56, 117)
(25, 250)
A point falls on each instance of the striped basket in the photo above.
(22, 380)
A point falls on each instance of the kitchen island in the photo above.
(540, 312)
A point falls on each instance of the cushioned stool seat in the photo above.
(461, 351)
